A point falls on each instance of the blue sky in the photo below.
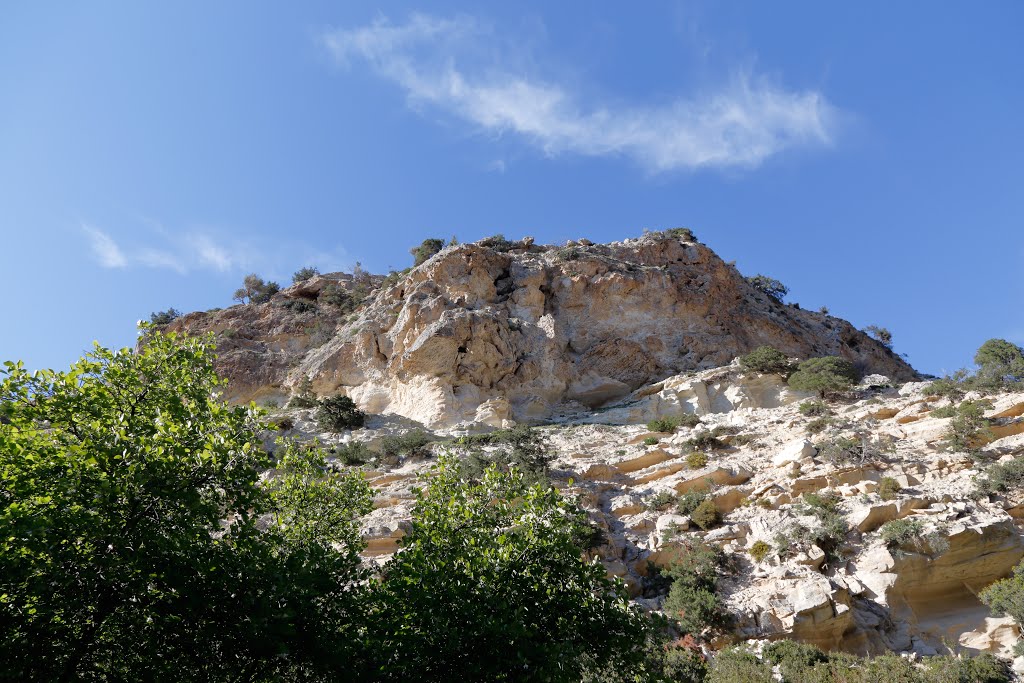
(868, 155)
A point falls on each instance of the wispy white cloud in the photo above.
(104, 248)
(211, 254)
(209, 249)
(741, 124)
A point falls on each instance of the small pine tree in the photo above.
(303, 274)
(426, 249)
(826, 375)
(769, 286)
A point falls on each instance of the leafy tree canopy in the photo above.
(826, 375)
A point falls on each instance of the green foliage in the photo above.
(1002, 477)
(826, 375)
(491, 586)
(880, 334)
(299, 305)
(344, 300)
(803, 663)
(255, 291)
(738, 665)
(767, 285)
(843, 450)
(425, 250)
(902, 532)
(685, 234)
(691, 600)
(705, 441)
(945, 411)
(968, 429)
(1007, 596)
(696, 460)
(497, 243)
(706, 514)
(303, 274)
(338, 413)
(651, 441)
(670, 424)
(1000, 363)
(950, 386)
(661, 500)
(818, 425)
(353, 453)
(131, 549)
(161, 318)
(408, 444)
(889, 488)
(522, 447)
(766, 360)
(814, 408)
(759, 551)
(828, 531)
(689, 501)
(684, 665)
(304, 396)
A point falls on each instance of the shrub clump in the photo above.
(522, 447)
(651, 441)
(696, 460)
(968, 429)
(691, 598)
(814, 408)
(661, 500)
(425, 250)
(889, 488)
(303, 274)
(1002, 477)
(160, 318)
(670, 424)
(408, 444)
(768, 361)
(706, 514)
(304, 396)
(826, 375)
(255, 290)
(768, 285)
(818, 425)
(759, 551)
(338, 413)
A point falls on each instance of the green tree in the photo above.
(767, 360)
(826, 375)
(491, 585)
(425, 250)
(338, 413)
(769, 286)
(255, 290)
(303, 274)
(130, 499)
(1006, 596)
(164, 317)
(999, 363)
(881, 334)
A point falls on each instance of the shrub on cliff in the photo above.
(303, 274)
(1000, 364)
(255, 290)
(161, 318)
(766, 360)
(425, 250)
(826, 375)
(768, 285)
(338, 413)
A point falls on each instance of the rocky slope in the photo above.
(495, 331)
(593, 341)
(868, 596)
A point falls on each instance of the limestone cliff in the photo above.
(498, 330)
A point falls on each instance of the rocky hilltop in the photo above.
(500, 331)
(853, 524)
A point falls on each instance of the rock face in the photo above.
(498, 331)
(867, 596)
